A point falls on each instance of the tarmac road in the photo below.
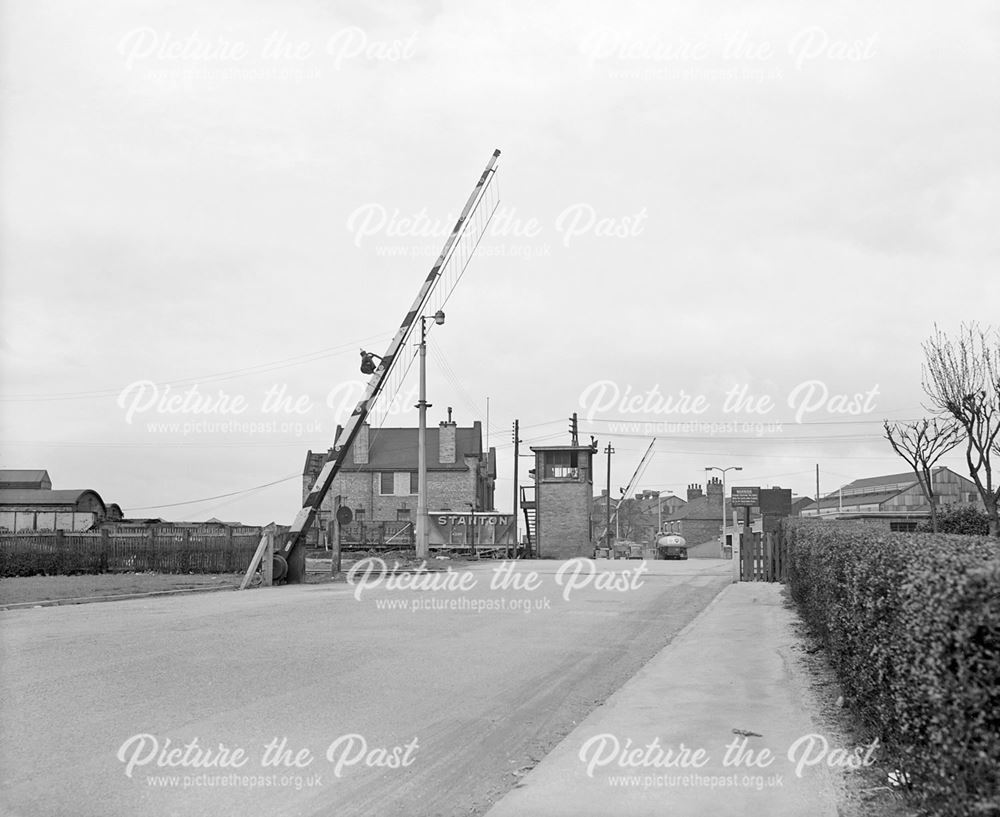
(370, 707)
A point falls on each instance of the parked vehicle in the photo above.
(671, 546)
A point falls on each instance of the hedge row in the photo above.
(912, 625)
(48, 554)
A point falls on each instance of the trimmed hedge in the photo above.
(967, 520)
(71, 553)
(912, 625)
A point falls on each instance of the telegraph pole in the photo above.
(817, 491)
(420, 531)
(517, 451)
(607, 530)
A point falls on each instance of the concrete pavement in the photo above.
(732, 668)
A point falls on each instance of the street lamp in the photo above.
(367, 362)
(659, 510)
(422, 543)
(722, 538)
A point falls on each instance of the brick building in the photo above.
(562, 500)
(639, 517)
(378, 480)
(700, 520)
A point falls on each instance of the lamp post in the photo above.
(659, 510)
(422, 543)
(722, 536)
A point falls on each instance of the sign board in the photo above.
(485, 528)
(744, 497)
(776, 502)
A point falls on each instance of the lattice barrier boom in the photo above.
(433, 293)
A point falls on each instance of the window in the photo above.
(385, 483)
(402, 514)
(359, 514)
(562, 465)
(397, 483)
(903, 527)
(414, 483)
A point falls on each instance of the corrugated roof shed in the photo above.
(34, 496)
(24, 478)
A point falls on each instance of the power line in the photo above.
(219, 496)
(260, 368)
(757, 419)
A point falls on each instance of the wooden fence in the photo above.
(764, 557)
(160, 550)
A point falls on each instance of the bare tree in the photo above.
(921, 444)
(962, 379)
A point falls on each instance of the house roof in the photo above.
(906, 478)
(874, 498)
(888, 479)
(395, 449)
(9, 475)
(40, 497)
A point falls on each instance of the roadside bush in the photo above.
(19, 556)
(70, 553)
(966, 520)
(912, 625)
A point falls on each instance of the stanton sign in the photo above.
(458, 529)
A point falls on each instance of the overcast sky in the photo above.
(774, 198)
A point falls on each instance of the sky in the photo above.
(725, 226)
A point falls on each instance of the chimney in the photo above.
(361, 443)
(694, 491)
(446, 440)
(714, 490)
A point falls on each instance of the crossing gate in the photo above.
(762, 557)
(434, 292)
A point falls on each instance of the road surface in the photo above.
(311, 700)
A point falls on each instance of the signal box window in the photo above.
(562, 465)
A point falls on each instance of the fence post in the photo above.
(782, 554)
(737, 550)
(267, 567)
(105, 548)
(60, 551)
(334, 537)
(769, 557)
